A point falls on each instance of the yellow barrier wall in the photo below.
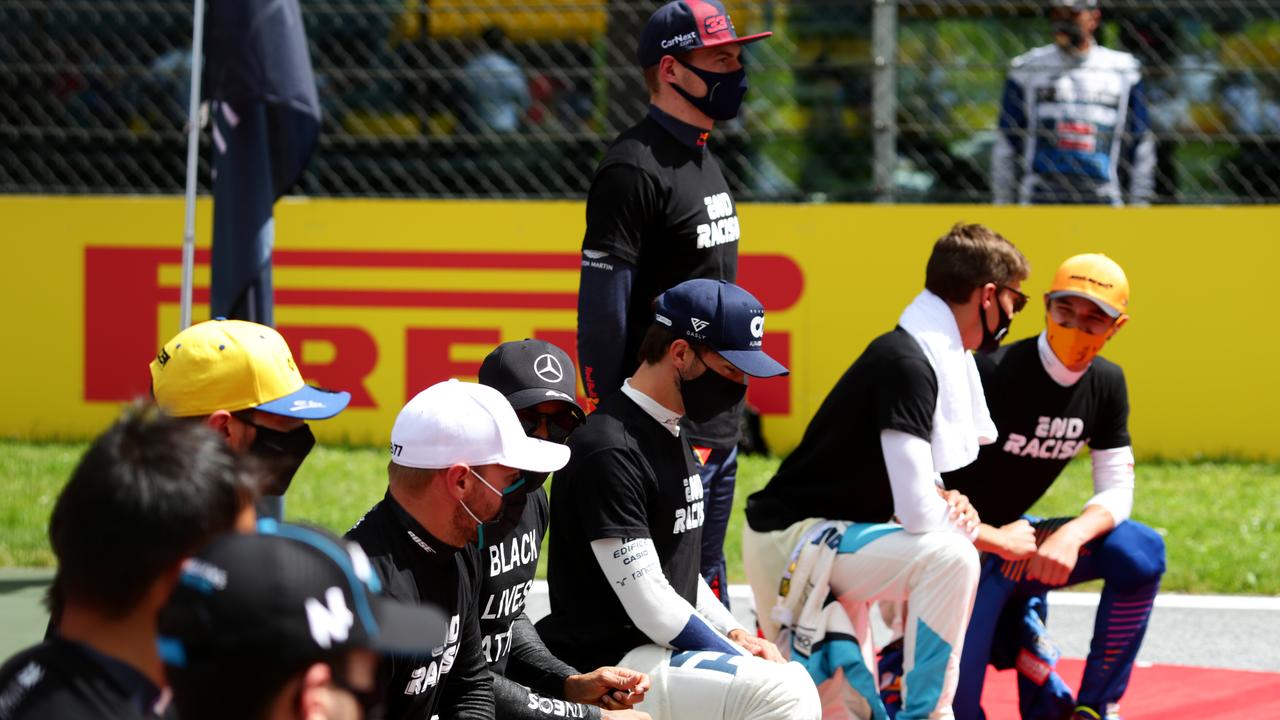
(383, 297)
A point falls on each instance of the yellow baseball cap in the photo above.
(1096, 277)
(236, 365)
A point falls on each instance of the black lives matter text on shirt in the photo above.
(628, 477)
(509, 567)
(838, 470)
(415, 567)
(1042, 425)
(666, 209)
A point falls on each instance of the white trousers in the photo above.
(718, 686)
(935, 573)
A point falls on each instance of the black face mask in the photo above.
(280, 454)
(497, 529)
(709, 394)
(1073, 31)
(725, 92)
(991, 340)
(514, 498)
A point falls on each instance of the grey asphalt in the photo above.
(1206, 631)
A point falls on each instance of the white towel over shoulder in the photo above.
(961, 420)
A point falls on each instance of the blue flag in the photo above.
(266, 121)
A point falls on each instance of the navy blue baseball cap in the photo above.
(685, 25)
(721, 316)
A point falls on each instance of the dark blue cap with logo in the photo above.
(721, 316)
(685, 25)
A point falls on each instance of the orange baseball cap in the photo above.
(235, 365)
(1096, 277)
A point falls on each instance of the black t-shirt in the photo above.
(509, 567)
(628, 477)
(664, 207)
(528, 681)
(414, 566)
(838, 471)
(63, 680)
(1042, 425)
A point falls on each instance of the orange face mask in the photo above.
(1075, 347)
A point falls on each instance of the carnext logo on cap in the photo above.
(684, 39)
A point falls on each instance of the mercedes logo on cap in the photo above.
(548, 368)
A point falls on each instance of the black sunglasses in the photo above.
(1019, 301)
(559, 425)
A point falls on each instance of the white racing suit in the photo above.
(1068, 125)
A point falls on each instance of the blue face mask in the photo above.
(725, 92)
(508, 515)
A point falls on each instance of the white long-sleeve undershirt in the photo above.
(1113, 480)
(635, 573)
(914, 484)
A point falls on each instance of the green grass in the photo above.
(1220, 519)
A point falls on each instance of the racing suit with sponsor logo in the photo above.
(1072, 128)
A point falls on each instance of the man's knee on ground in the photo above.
(1132, 554)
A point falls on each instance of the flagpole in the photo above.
(193, 151)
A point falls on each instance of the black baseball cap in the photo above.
(291, 594)
(722, 316)
(531, 371)
(685, 25)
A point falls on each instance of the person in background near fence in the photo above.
(1050, 396)
(856, 513)
(1073, 121)
(240, 379)
(539, 381)
(455, 476)
(287, 624)
(148, 492)
(659, 212)
(496, 89)
(626, 525)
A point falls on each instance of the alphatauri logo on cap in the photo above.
(548, 368)
(757, 326)
(698, 325)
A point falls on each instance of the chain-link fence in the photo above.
(892, 100)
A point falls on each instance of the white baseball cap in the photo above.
(460, 422)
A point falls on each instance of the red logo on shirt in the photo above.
(1077, 136)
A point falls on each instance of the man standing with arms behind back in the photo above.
(1073, 118)
(659, 212)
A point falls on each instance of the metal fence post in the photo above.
(884, 96)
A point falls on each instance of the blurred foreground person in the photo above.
(149, 492)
